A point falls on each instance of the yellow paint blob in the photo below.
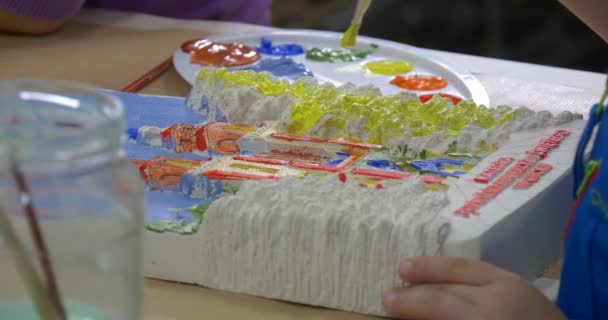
(389, 67)
(180, 163)
(385, 117)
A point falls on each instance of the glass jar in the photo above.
(62, 160)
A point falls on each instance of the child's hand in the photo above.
(459, 288)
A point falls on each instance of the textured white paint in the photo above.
(150, 135)
(318, 241)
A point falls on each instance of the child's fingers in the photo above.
(427, 302)
(447, 270)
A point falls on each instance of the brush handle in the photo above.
(36, 288)
(42, 250)
(361, 9)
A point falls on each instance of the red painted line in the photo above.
(380, 173)
(362, 145)
(493, 170)
(224, 175)
(201, 138)
(290, 137)
(346, 163)
(431, 179)
(166, 133)
(143, 171)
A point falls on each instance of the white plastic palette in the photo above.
(460, 82)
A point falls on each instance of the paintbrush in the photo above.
(36, 288)
(350, 36)
(43, 254)
(604, 97)
(44, 293)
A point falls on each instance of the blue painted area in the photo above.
(64, 198)
(219, 115)
(143, 152)
(161, 112)
(168, 143)
(342, 154)
(281, 67)
(285, 49)
(160, 205)
(444, 161)
(334, 163)
(204, 105)
(156, 111)
(206, 189)
(382, 164)
(435, 166)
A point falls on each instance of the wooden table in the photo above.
(111, 49)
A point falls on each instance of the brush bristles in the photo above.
(350, 36)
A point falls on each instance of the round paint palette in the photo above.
(460, 82)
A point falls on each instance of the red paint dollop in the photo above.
(210, 53)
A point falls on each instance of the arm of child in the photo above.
(35, 16)
(460, 288)
(593, 12)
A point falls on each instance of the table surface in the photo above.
(111, 49)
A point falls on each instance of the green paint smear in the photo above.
(589, 169)
(230, 188)
(181, 227)
(384, 117)
(389, 67)
(339, 55)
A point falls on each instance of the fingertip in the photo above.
(446, 269)
(405, 268)
(389, 299)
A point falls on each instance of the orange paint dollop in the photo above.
(420, 83)
(209, 53)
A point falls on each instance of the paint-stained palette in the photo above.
(459, 82)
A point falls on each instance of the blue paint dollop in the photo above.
(281, 67)
(286, 49)
(334, 163)
(132, 133)
(381, 164)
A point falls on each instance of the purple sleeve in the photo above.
(251, 11)
(42, 9)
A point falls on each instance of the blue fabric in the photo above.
(584, 282)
